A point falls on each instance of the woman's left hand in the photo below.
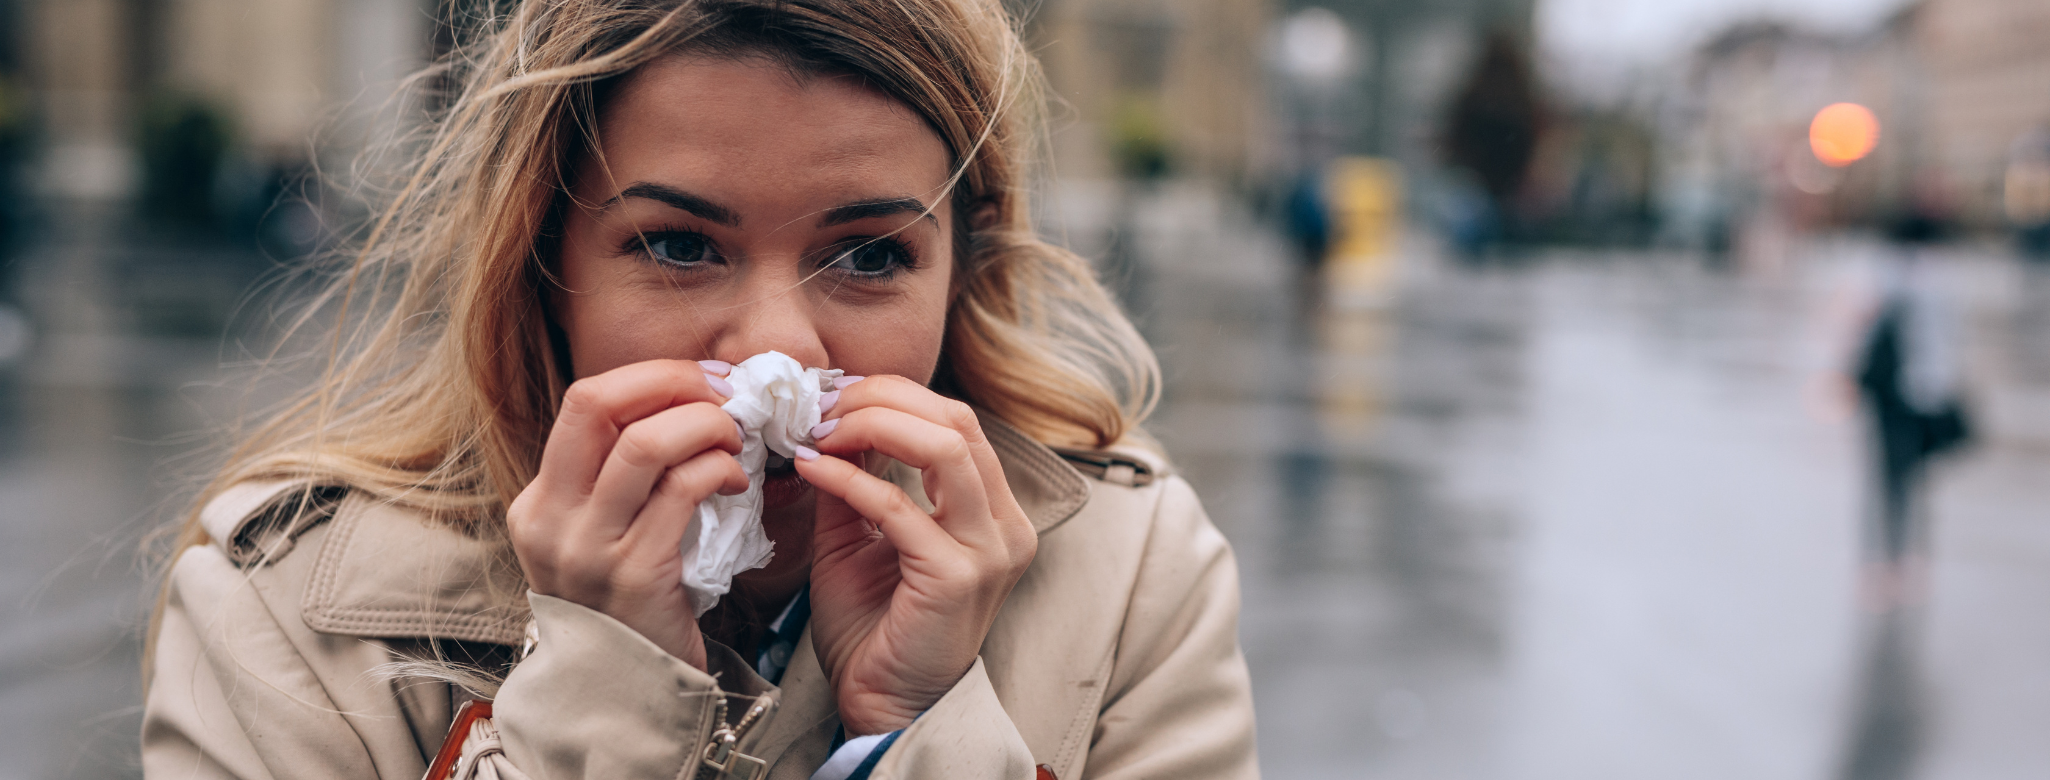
(901, 599)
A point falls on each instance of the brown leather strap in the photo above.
(452, 747)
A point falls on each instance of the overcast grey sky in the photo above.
(1603, 40)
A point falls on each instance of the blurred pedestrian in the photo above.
(1492, 134)
(1910, 374)
(462, 551)
(1308, 213)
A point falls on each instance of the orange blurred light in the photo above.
(1843, 134)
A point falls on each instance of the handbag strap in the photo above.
(444, 765)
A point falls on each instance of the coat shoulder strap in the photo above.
(1108, 466)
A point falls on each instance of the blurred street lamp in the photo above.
(1314, 47)
(1842, 134)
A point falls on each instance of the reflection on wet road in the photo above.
(1591, 516)
(1599, 516)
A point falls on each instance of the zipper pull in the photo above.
(722, 753)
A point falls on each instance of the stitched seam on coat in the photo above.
(1085, 717)
(692, 768)
(320, 609)
(1109, 671)
(399, 623)
(319, 593)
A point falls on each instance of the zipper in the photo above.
(723, 756)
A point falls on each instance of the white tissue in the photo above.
(776, 402)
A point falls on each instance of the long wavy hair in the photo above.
(441, 379)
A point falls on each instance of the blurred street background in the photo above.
(1527, 350)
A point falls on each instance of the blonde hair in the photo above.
(441, 377)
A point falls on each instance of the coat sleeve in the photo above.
(966, 734)
(243, 689)
(598, 700)
(1180, 702)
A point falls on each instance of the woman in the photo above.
(484, 498)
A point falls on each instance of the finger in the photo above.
(596, 409)
(915, 534)
(837, 530)
(953, 482)
(658, 529)
(904, 395)
(645, 451)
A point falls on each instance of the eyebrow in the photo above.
(677, 199)
(706, 209)
(870, 209)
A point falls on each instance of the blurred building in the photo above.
(1408, 59)
(1734, 137)
(1148, 88)
(1960, 88)
(1987, 73)
(270, 74)
(1211, 79)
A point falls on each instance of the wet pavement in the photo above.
(1587, 515)
(1600, 515)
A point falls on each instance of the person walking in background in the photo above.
(1910, 376)
(1490, 138)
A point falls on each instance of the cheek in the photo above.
(609, 319)
(902, 339)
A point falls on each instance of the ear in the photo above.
(983, 215)
(970, 218)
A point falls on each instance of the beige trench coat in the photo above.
(1115, 657)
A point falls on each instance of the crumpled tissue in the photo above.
(776, 402)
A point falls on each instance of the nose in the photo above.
(771, 311)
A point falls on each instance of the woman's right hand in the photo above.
(632, 453)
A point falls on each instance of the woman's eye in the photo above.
(680, 248)
(872, 258)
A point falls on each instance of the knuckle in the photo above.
(955, 449)
(898, 502)
(959, 569)
(709, 415)
(584, 396)
(882, 495)
(684, 481)
(1022, 553)
(959, 416)
(640, 445)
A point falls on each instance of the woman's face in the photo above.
(739, 208)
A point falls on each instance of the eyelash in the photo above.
(903, 250)
(642, 246)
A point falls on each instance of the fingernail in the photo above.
(824, 429)
(742, 430)
(716, 367)
(806, 453)
(719, 386)
(841, 383)
(826, 401)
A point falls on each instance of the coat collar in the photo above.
(383, 571)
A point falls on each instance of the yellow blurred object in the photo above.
(1366, 211)
(1843, 133)
(1365, 197)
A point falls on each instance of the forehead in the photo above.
(750, 126)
